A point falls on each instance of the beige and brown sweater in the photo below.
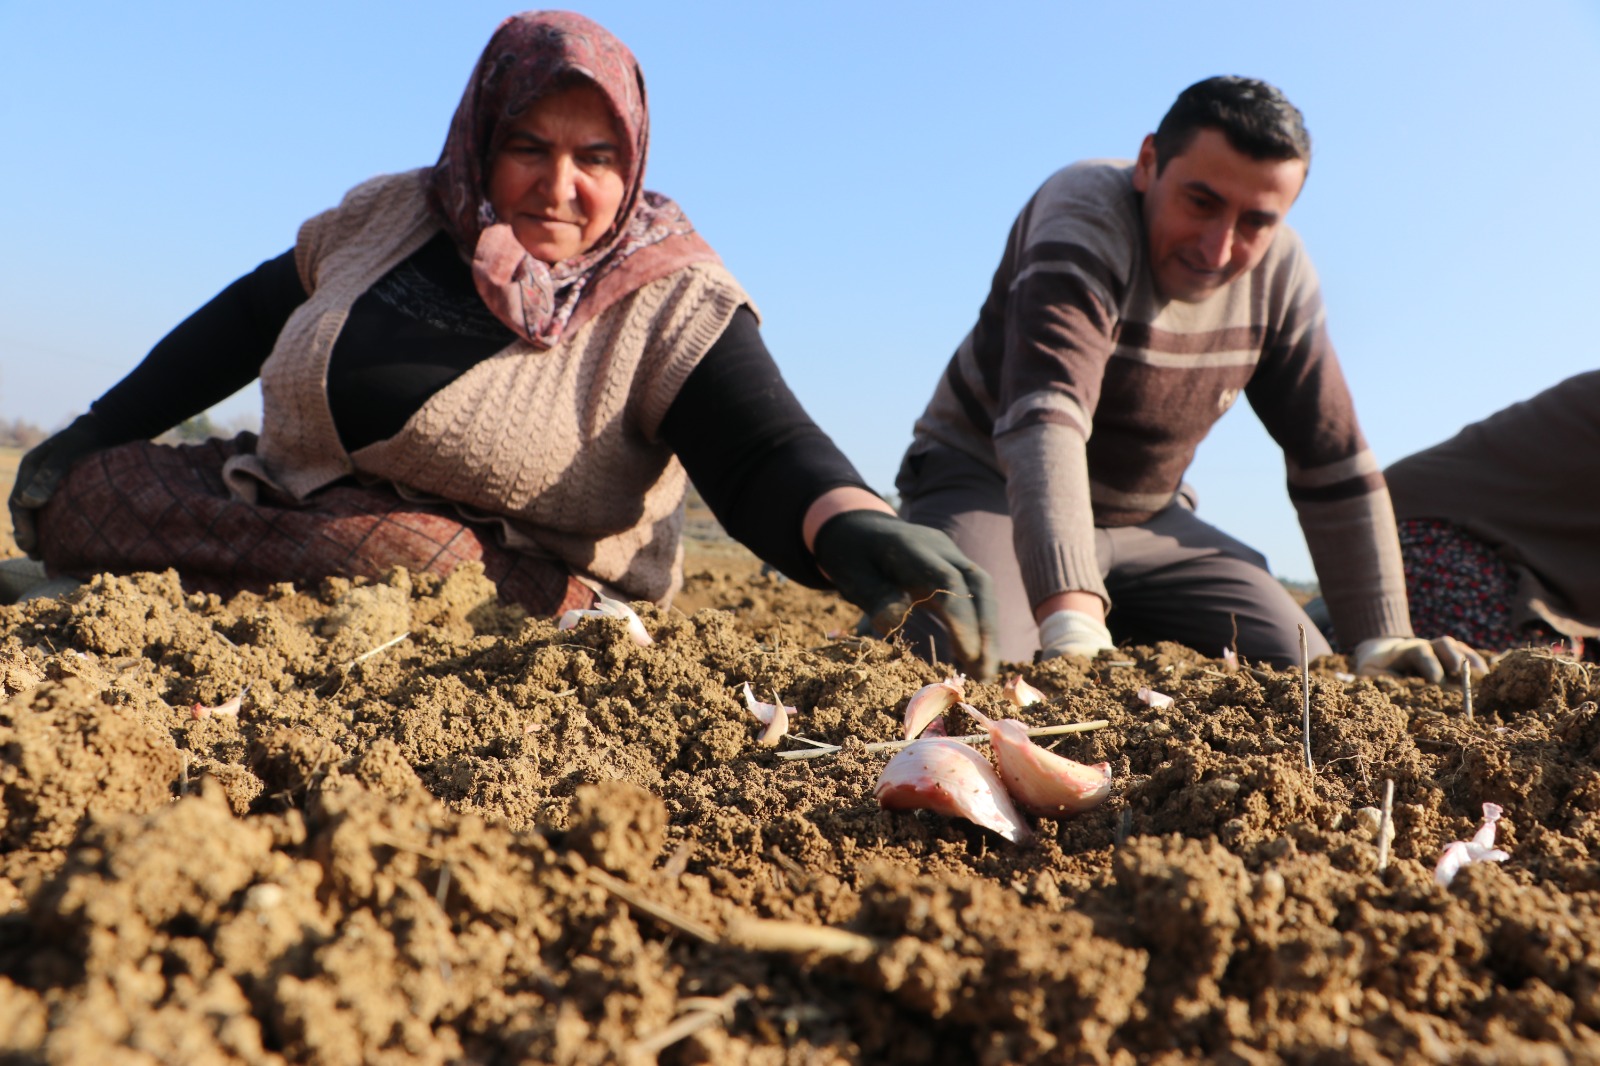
(558, 447)
(1089, 394)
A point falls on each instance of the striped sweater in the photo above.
(1089, 393)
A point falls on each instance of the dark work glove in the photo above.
(885, 565)
(41, 471)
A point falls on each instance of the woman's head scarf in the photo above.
(530, 55)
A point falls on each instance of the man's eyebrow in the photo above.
(1260, 218)
(1197, 186)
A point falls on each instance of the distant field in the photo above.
(9, 457)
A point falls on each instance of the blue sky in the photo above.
(856, 165)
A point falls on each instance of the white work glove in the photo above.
(1073, 633)
(1432, 660)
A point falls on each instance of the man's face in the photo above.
(1211, 214)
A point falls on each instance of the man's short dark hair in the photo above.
(1257, 119)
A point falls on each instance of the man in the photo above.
(1132, 306)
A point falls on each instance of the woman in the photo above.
(503, 357)
(1499, 525)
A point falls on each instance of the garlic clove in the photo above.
(1021, 693)
(764, 711)
(1040, 780)
(1150, 697)
(930, 702)
(1480, 848)
(609, 608)
(948, 777)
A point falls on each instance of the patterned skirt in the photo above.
(1459, 586)
(149, 506)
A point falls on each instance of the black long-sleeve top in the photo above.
(755, 455)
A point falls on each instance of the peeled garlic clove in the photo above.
(1040, 780)
(1021, 693)
(948, 777)
(931, 701)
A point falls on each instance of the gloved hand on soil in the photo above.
(1432, 660)
(1073, 633)
(885, 565)
(41, 471)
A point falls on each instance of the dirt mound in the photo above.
(395, 822)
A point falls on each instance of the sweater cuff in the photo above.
(1051, 568)
(1046, 466)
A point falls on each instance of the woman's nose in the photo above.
(561, 178)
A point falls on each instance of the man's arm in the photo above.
(1069, 263)
(1335, 483)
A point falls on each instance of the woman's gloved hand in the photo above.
(885, 565)
(41, 471)
(1432, 660)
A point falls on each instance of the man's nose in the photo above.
(1216, 245)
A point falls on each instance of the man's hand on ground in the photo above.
(1073, 633)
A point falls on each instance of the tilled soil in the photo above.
(492, 841)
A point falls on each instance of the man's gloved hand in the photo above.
(884, 565)
(1073, 633)
(41, 471)
(1432, 660)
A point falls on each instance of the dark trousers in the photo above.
(1172, 578)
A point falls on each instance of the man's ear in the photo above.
(1144, 168)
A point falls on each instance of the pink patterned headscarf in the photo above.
(528, 56)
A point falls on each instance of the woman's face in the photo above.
(558, 175)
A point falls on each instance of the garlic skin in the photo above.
(765, 711)
(930, 702)
(609, 608)
(1040, 780)
(948, 777)
(1151, 698)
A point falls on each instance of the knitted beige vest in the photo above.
(558, 448)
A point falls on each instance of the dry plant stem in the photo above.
(904, 618)
(385, 646)
(714, 1011)
(1466, 689)
(1384, 823)
(970, 738)
(766, 934)
(666, 915)
(1305, 685)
